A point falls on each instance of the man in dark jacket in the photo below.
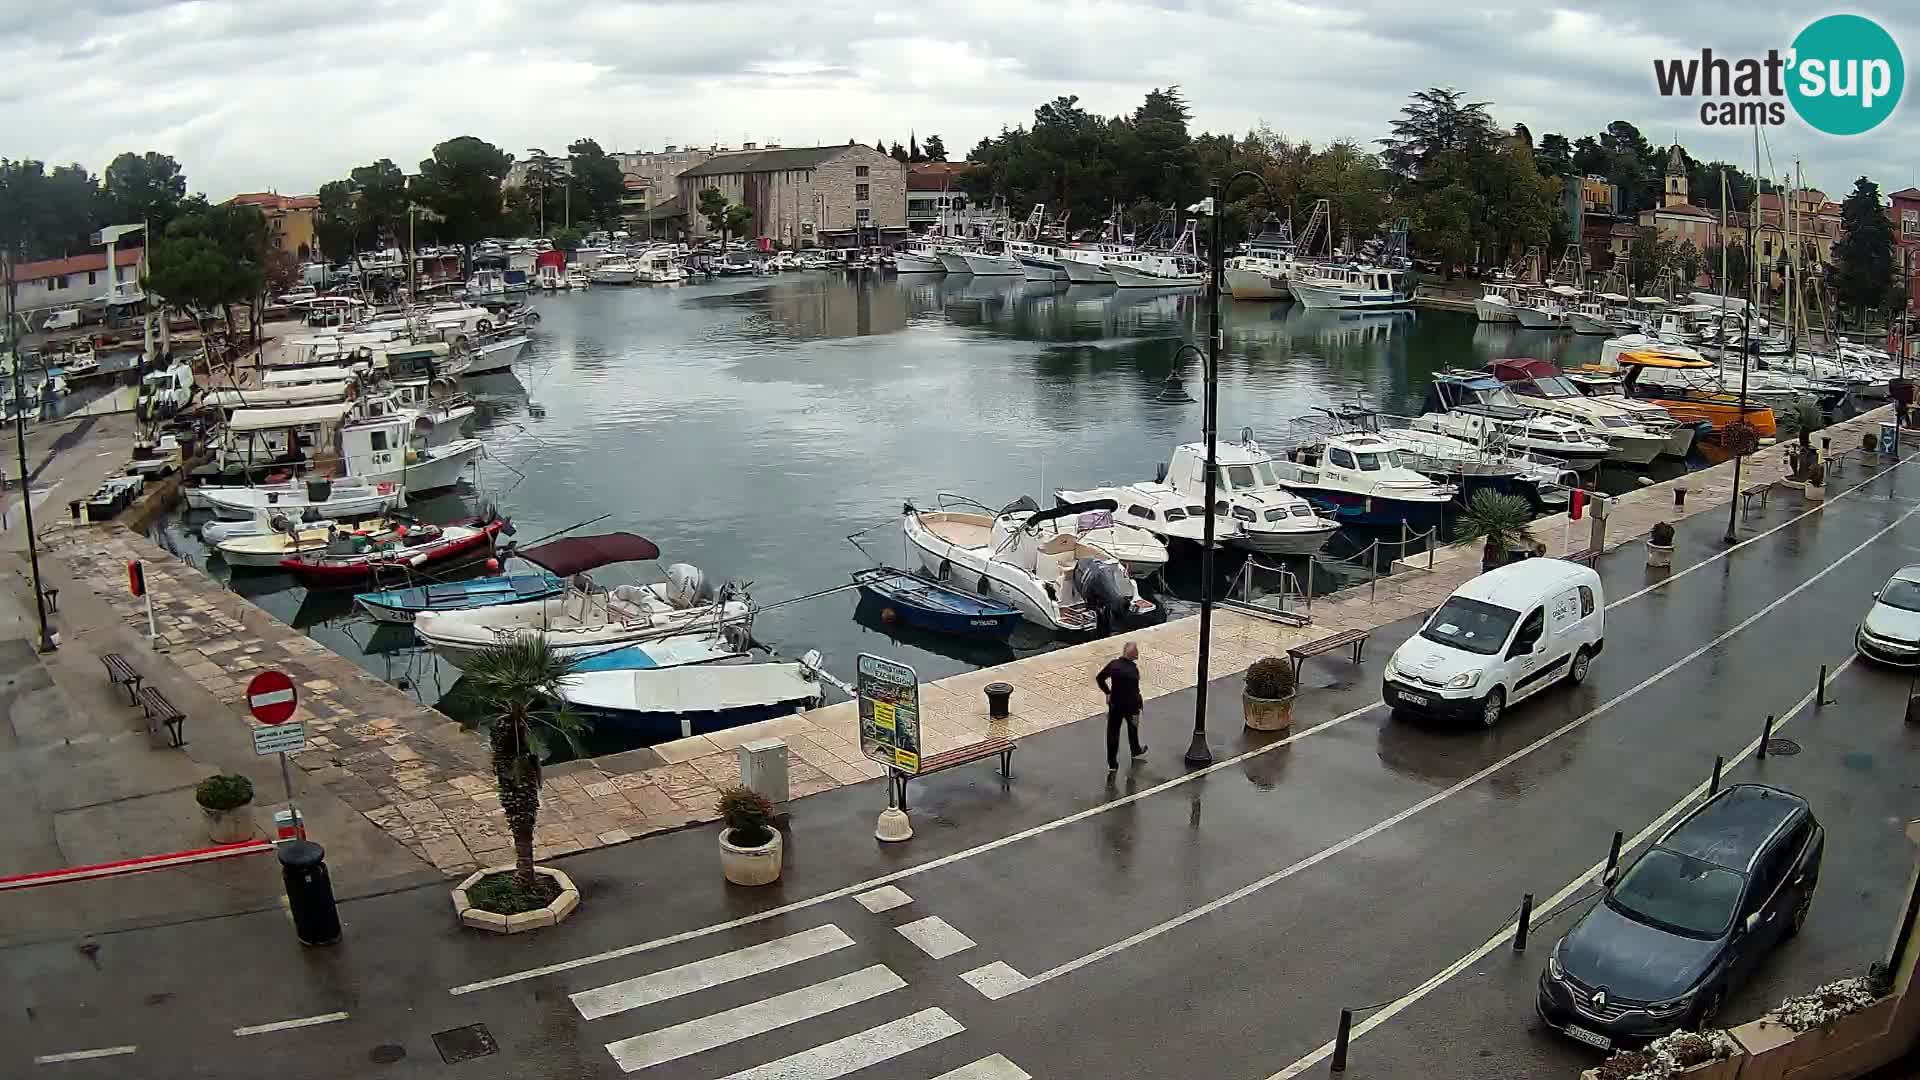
(1120, 681)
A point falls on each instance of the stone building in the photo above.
(811, 196)
(290, 220)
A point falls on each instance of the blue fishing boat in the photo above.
(928, 605)
(401, 605)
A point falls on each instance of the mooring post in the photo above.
(1613, 855)
(1340, 1039)
(1766, 736)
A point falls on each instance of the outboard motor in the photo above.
(1106, 588)
(684, 583)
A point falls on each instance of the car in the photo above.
(1687, 922)
(1502, 637)
(1890, 633)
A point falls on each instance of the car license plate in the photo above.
(1591, 1038)
(1414, 699)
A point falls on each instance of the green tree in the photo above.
(736, 220)
(381, 191)
(461, 183)
(336, 225)
(1554, 155)
(598, 184)
(1863, 256)
(567, 239)
(546, 180)
(209, 260)
(1443, 224)
(1521, 205)
(1437, 139)
(143, 187)
(518, 683)
(519, 212)
(1504, 522)
(712, 205)
(914, 155)
(1632, 165)
(1688, 261)
(934, 148)
(899, 153)
(1736, 266)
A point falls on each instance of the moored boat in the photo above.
(347, 558)
(929, 605)
(401, 605)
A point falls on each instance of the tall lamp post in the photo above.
(1748, 319)
(1198, 753)
(20, 444)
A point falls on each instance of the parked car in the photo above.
(1500, 638)
(1688, 921)
(1891, 631)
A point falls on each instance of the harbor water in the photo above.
(748, 426)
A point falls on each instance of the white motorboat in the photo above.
(1087, 264)
(993, 260)
(276, 397)
(954, 259)
(384, 449)
(578, 277)
(1158, 509)
(1478, 408)
(688, 684)
(919, 256)
(1260, 514)
(615, 271)
(1156, 270)
(1599, 316)
(287, 537)
(1058, 582)
(496, 355)
(1139, 551)
(350, 498)
(1356, 286)
(590, 618)
(487, 285)
(549, 277)
(1363, 478)
(659, 266)
(1496, 304)
(1636, 438)
(1257, 277)
(1545, 309)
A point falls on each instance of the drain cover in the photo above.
(1782, 747)
(464, 1043)
(386, 1053)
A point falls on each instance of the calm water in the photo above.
(749, 426)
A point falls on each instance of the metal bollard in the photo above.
(1820, 691)
(1766, 736)
(1613, 855)
(1340, 1040)
(1718, 763)
(1679, 496)
(1520, 928)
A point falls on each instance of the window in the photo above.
(859, 170)
(1303, 511)
(1531, 630)
(1267, 478)
(1586, 601)
(379, 440)
(1339, 457)
(1677, 892)
(1472, 625)
(1220, 507)
(863, 215)
(1370, 462)
(1176, 514)
(860, 192)
(1241, 513)
(1277, 513)
(1197, 511)
(1240, 475)
(1140, 512)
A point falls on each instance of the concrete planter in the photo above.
(494, 923)
(1815, 492)
(229, 826)
(1776, 1051)
(751, 865)
(1268, 714)
(1659, 556)
(1728, 1069)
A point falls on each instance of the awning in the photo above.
(305, 415)
(578, 554)
(1523, 367)
(296, 376)
(270, 396)
(1660, 360)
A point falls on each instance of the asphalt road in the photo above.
(1152, 923)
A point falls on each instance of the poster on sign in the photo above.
(889, 694)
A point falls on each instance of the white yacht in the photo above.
(1087, 264)
(487, 285)
(992, 260)
(1600, 315)
(1476, 407)
(1257, 277)
(1140, 551)
(1250, 495)
(1496, 304)
(1545, 308)
(919, 256)
(1354, 286)
(1365, 479)
(658, 266)
(614, 271)
(1537, 385)
(1159, 509)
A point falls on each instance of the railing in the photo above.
(1242, 595)
(1368, 560)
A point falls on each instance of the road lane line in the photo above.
(859, 1050)
(753, 1018)
(935, 936)
(1062, 822)
(1548, 909)
(1444, 794)
(992, 1067)
(713, 971)
(288, 1025)
(84, 1055)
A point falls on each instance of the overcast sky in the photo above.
(256, 94)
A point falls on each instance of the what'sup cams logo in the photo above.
(1843, 76)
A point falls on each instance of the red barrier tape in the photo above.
(134, 865)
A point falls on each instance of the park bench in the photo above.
(1299, 653)
(952, 759)
(1752, 492)
(123, 674)
(162, 713)
(1584, 556)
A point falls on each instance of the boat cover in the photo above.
(1072, 510)
(696, 688)
(579, 554)
(1522, 368)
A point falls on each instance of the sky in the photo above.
(257, 95)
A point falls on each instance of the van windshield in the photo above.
(1471, 625)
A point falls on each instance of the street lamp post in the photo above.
(1747, 346)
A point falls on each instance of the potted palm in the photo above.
(1660, 546)
(517, 683)
(1502, 521)
(1268, 696)
(224, 800)
(750, 846)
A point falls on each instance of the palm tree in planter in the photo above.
(517, 683)
(1503, 521)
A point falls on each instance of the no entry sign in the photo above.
(270, 695)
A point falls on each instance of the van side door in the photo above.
(1526, 656)
(1563, 629)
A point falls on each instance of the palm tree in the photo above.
(517, 683)
(1503, 520)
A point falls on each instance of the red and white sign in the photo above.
(271, 697)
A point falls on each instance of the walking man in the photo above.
(1120, 681)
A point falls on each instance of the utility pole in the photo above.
(20, 444)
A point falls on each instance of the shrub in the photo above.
(1740, 438)
(504, 894)
(1668, 1055)
(1817, 474)
(1662, 535)
(748, 815)
(1270, 678)
(1825, 1005)
(1869, 442)
(224, 792)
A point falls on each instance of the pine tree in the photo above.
(1863, 257)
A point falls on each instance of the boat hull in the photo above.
(955, 262)
(992, 265)
(1086, 273)
(1588, 324)
(496, 356)
(1249, 285)
(1319, 296)
(1037, 269)
(1352, 508)
(907, 263)
(1128, 278)
(983, 621)
(1532, 318)
(242, 504)
(1634, 450)
(315, 568)
(401, 605)
(1302, 542)
(1488, 311)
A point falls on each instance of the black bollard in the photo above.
(303, 867)
(1613, 856)
(1714, 788)
(1820, 691)
(1766, 736)
(1520, 928)
(1340, 1041)
(1679, 497)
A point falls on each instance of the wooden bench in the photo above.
(1584, 556)
(1299, 653)
(122, 673)
(952, 759)
(1752, 492)
(162, 713)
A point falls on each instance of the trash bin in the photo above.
(303, 866)
(998, 695)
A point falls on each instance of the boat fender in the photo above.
(985, 587)
(945, 572)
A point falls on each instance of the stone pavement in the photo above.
(418, 776)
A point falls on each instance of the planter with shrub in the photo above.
(1869, 443)
(1696, 1055)
(1830, 1021)
(224, 799)
(502, 899)
(1816, 486)
(1660, 546)
(750, 847)
(1267, 698)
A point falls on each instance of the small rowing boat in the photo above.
(349, 558)
(401, 605)
(928, 605)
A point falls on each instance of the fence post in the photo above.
(1340, 1039)
(1311, 559)
(1613, 855)
(1718, 763)
(1373, 585)
(1820, 692)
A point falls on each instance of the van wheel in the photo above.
(1493, 707)
(1581, 662)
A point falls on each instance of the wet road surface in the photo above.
(1151, 923)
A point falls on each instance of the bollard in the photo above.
(999, 695)
(1679, 496)
(303, 867)
(1820, 690)
(1340, 1039)
(1520, 928)
(1613, 856)
(1766, 736)
(1714, 788)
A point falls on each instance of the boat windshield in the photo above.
(1678, 892)
(1555, 386)
(1392, 459)
(1474, 626)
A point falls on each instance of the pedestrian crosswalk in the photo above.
(777, 962)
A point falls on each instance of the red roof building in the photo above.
(289, 219)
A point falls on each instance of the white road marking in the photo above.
(287, 1025)
(754, 1018)
(1437, 797)
(996, 1067)
(859, 1050)
(84, 1055)
(935, 937)
(996, 980)
(1070, 819)
(1546, 910)
(713, 971)
(884, 898)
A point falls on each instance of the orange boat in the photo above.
(1691, 404)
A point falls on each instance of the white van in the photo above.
(1499, 639)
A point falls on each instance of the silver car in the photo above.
(1891, 631)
